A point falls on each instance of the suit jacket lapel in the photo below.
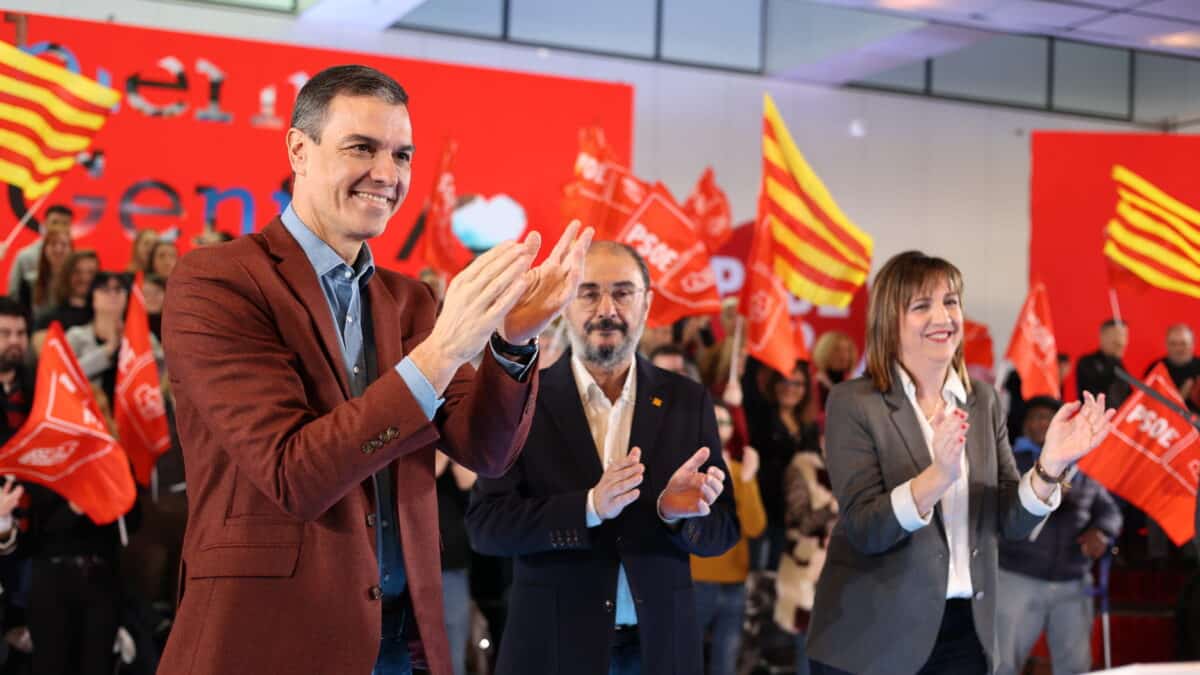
(905, 419)
(296, 268)
(560, 395)
(647, 415)
(979, 446)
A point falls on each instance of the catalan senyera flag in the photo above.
(818, 253)
(1154, 235)
(48, 115)
(138, 407)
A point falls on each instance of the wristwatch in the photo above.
(1061, 479)
(520, 351)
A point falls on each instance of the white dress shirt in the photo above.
(610, 423)
(956, 500)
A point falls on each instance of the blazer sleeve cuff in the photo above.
(1032, 502)
(905, 508)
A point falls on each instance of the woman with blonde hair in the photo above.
(139, 256)
(834, 356)
(56, 246)
(919, 460)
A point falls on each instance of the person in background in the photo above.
(779, 430)
(154, 290)
(24, 269)
(97, 344)
(1045, 578)
(1181, 363)
(56, 247)
(1096, 372)
(720, 582)
(70, 294)
(834, 356)
(163, 258)
(139, 257)
(453, 488)
(811, 516)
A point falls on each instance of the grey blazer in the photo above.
(882, 593)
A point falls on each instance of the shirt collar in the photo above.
(587, 384)
(321, 255)
(953, 390)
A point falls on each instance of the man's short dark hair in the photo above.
(631, 252)
(312, 104)
(62, 209)
(1048, 402)
(10, 307)
(102, 279)
(1064, 358)
(1111, 323)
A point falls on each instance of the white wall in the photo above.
(948, 178)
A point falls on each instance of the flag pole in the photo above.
(12, 234)
(1116, 306)
(1189, 416)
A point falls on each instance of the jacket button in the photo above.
(608, 606)
(376, 592)
(978, 595)
(367, 448)
(376, 444)
(391, 433)
(370, 520)
(974, 553)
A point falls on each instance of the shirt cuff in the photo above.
(593, 518)
(420, 387)
(518, 371)
(1032, 502)
(905, 508)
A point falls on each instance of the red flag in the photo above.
(1151, 457)
(138, 407)
(65, 445)
(1033, 350)
(709, 208)
(680, 272)
(441, 249)
(977, 345)
(603, 194)
(770, 336)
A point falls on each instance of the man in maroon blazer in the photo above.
(312, 389)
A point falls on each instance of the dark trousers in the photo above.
(956, 652)
(626, 653)
(73, 609)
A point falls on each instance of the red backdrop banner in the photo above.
(1074, 197)
(198, 136)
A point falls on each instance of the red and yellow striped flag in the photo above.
(1154, 235)
(803, 244)
(48, 115)
(820, 255)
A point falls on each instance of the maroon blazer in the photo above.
(279, 569)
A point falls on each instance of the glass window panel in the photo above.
(1005, 68)
(474, 17)
(614, 26)
(1091, 79)
(713, 32)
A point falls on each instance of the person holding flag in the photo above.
(913, 434)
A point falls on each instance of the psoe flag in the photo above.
(65, 444)
(1151, 458)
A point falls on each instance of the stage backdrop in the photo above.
(198, 138)
(1135, 196)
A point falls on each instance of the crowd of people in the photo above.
(788, 515)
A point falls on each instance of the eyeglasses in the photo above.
(622, 297)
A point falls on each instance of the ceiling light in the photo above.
(1184, 40)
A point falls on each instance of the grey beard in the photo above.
(604, 356)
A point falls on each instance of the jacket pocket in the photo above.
(249, 547)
